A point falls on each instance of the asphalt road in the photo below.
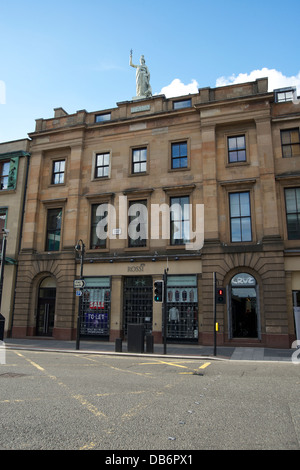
(66, 401)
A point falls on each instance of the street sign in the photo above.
(79, 293)
(79, 283)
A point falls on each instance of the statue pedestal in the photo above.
(144, 97)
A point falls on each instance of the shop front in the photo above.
(243, 307)
(94, 305)
(182, 308)
(125, 296)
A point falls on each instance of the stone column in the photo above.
(116, 308)
(267, 180)
(211, 226)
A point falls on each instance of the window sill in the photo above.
(171, 170)
(54, 185)
(231, 164)
(136, 248)
(101, 178)
(8, 191)
(140, 173)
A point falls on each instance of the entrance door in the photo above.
(244, 307)
(46, 308)
(137, 302)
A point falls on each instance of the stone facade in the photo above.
(14, 164)
(212, 149)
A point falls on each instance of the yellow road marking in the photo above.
(31, 362)
(79, 398)
(88, 446)
(172, 364)
(89, 406)
(176, 365)
(205, 365)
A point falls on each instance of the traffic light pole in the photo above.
(215, 313)
(164, 306)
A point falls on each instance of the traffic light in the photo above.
(220, 295)
(158, 291)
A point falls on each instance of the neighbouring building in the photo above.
(233, 150)
(14, 165)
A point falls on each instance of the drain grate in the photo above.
(10, 375)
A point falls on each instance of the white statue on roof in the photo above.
(143, 88)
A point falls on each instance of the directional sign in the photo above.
(79, 283)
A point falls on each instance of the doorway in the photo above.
(46, 307)
(137, 302)
(243, 307)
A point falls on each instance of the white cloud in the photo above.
(276, 79)
(177, 88)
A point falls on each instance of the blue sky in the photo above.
(75, 54)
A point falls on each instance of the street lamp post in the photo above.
(80, 248)
(5, 233)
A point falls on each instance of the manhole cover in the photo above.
(11, 375)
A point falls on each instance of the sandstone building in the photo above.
(14, 165)
(233, 150)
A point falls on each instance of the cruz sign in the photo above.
(242, 280)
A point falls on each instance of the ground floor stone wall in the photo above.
(258, 309)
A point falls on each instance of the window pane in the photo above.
(297, 191)
(179, 217)
(183, 162)
(245, 206)
(234, 205)
(296, 149)
(176, 163)
(285, 137)
(233, 157)
(182, 104)
(136, 156)
(241, 156)
(138, 223)
(183, 149)
(175, 150)
(231, 143)
(102, 117)
(5, 168)
(290, 196)
(56, 167)
(53, 229)
(286, 151)
(143, 153)
(246, 229)
(293, 225)
(106, 159)
(240, 142)
(236, 230)
(100, 159)
(186, 231)
(294, 136)
(102, 231)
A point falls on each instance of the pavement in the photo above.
(173, 350)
